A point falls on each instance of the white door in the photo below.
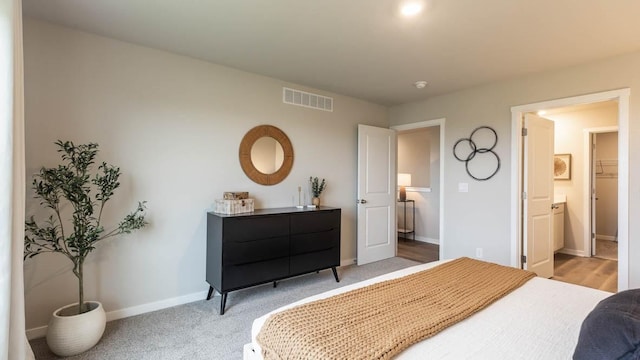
(538, 197)
(376, 194)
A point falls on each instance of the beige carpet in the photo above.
(195, 331)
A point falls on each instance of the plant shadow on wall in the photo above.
(72, 183)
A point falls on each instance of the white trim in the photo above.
(417, 189)
(586, 191)
(573, 252)
(347, 262)
(134, 310)
(620, 95)
(428, 240)
(431, 123)
(605, 237)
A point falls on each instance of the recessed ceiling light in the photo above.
(420, 84)
(542, 112)
(411, 8)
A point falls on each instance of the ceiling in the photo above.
(364, 48)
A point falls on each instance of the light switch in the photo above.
(463, 187)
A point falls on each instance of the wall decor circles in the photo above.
(479, 145)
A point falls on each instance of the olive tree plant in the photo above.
(72, 183)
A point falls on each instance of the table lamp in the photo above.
(403, 181)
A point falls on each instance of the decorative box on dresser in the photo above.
(267, 245)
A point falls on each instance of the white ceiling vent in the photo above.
(303, 98)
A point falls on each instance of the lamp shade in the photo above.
(404, 179)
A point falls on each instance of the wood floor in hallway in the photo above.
(591, 272)
(418, 251)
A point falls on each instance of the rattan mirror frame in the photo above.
(245, 155)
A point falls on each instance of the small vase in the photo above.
(315, 201)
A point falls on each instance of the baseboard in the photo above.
(132, 311)
(36, 333)
(606, 237)
(572, 252)
(424, 239)
(157, 305)
(345, 262)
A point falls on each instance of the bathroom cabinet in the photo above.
(558, 226)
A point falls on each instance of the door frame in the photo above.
(425, 124)
(588, 185)
(622, 97)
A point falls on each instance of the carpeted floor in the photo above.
(196, 331)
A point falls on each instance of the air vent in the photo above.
(303, 98)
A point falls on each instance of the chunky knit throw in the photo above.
(381, 320)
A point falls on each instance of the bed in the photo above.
(539, 320)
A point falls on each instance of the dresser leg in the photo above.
(275, 283)
(335, 274)
(210, 292)
(223, 302)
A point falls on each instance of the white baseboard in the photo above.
(36, 333)
(572, 252)
(345, 262)
(606, 237)
(132, 311)
(425, 239)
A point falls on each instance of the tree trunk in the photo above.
(81, 306)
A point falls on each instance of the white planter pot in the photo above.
(69, 335)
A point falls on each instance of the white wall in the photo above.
(481, 217)
(173, 124)
(414, 152)
(569, 139)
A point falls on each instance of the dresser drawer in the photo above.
(241, 276)
(313, 261)
(239, 229)
(303, 243)
(316, 221)
(242, 252)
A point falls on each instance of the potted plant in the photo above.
(78, 327)
(317, 187)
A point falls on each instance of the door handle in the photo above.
(363, 201)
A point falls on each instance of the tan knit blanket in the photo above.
(381, 320)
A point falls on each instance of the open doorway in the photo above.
(420, 174)
(621, 97)
(579, 163)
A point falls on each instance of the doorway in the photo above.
(422, 238)
(621, 97)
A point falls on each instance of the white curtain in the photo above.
(13, 340)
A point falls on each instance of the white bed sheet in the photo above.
(539, 320)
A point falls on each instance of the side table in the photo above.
(405, 231)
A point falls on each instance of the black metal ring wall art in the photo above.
(475, 151)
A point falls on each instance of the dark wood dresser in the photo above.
(267, 245)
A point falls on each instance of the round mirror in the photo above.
(266, 155)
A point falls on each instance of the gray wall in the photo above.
(481, 217)
(173, 124)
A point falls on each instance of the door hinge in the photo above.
(524, 259)
(524, 131)
(524, 195)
